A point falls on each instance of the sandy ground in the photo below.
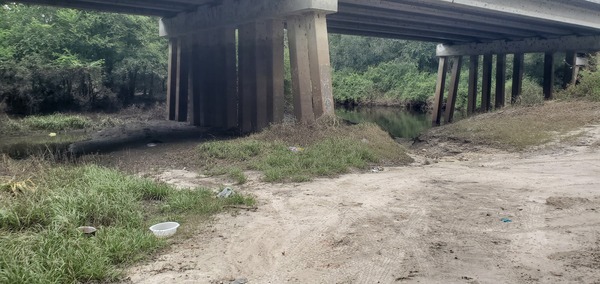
(437, 223)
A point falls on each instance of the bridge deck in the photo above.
(443, 21)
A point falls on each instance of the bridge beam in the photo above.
(530, 45)
(542, 10)
(235, 13)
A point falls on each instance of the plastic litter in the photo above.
(164, 230)
(506, 220)
(52, 134)
(88, 230)
(296, 149)
(377, 169)
(225, 193)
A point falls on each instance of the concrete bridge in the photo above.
(226, 56)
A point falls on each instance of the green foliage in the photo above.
(359, 53)
(394, 81)
(588, 86)
(349, 87)
(56, 122)
(382, 71)
(532, 94)
(39, 242)
(62, 59)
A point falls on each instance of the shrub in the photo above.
(588, 86)
(352, 88)
(532, 93)
(43, 88)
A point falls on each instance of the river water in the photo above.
(397, 121)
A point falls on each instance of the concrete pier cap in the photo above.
(238, 12)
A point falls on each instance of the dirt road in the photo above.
(494, 218)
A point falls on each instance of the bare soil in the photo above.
(463, 215)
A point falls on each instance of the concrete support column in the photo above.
(172, 79)
(261, 74)
(246, 73)
(240, 83)
(500, 80)
(518, 71)
(181, 84)
(197, 80)
(310, 62)
(473, 82)
(275, 71)
(299, 61)
(548, 75)
(486, 94)
(320, 66)
(439, 91)
(453, 93)
(570, 69)
(229, 49)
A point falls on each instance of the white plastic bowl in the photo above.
(164, 230)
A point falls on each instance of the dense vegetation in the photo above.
(62, 59)
(396, 72)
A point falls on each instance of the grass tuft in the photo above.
(56, 122)
(324, 149)
(39, 242)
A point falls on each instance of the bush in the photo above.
(352, 88)
(588, 86)
(41, 88)
(398, 82)
(532, 93)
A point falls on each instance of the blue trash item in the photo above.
(506, 220)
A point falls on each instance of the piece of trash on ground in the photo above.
(225, 193)
(87, 230)
(377, 169)
(296, 149)
(239, 281)
(52, 134)
(506, 220)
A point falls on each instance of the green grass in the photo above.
(56, 122)
(39, 242)
(326, 151)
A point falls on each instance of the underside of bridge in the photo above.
(226, 56)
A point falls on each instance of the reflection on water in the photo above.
(18, 147)
(397, 121)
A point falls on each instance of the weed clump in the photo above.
(300, 153)
(56, 122)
